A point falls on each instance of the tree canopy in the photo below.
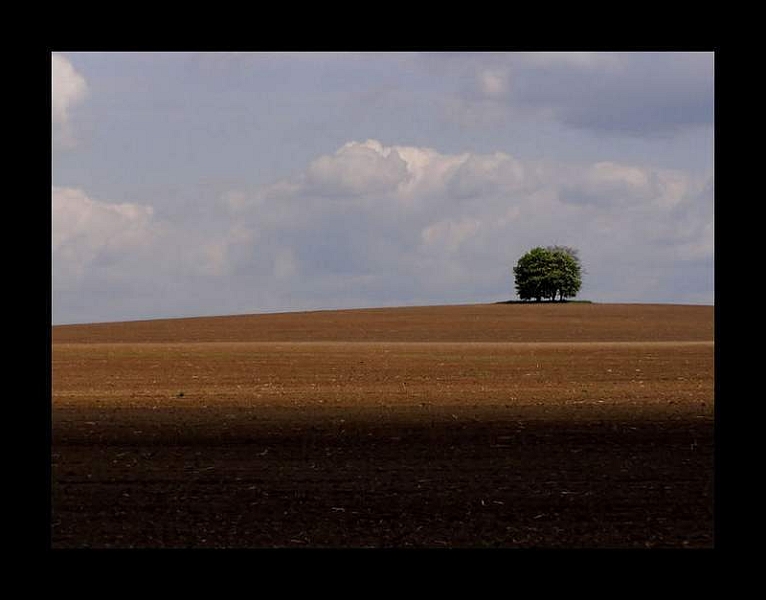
(544, 273)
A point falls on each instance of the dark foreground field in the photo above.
(568, 426)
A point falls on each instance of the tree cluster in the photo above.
(544, 273)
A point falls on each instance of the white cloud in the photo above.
(456, 210)
(85, 231)
(358, 169)
(610, 184)
(481, 175)
(426, 226)
(404, 175)
(122, 254)
(493, 82)
(430, 172)
(449, 234)
(675, 187)
(68, 89)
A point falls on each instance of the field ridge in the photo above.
(544, 322)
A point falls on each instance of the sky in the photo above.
(200, 183)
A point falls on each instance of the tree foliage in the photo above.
(544, 273)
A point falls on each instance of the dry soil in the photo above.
(505, 425)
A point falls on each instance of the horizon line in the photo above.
(392, 307)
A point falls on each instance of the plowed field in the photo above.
(507, 425)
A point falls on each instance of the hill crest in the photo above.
(500, 322)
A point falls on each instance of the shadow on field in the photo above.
(351, 481)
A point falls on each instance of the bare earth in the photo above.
(508, 425)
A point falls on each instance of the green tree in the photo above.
(544, 273)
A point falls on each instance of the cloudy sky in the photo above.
(190, 184)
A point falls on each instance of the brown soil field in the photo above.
(478, 426)
(580, 322)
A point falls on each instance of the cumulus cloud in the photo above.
(68, 89)
(611, 184)
(482, 175)
(86, 231)
(446, 236)
(357, 169)
(464, 218)
(425, 227)
(406, 174)
(135, 264)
